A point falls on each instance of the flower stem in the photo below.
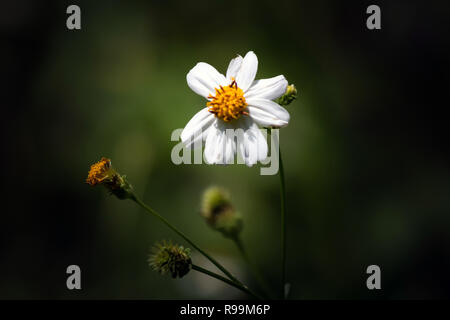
(283, 226)
(167, 223)
(228, 281)
(283, 220)
(262, 283)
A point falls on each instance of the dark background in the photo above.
(366, 151)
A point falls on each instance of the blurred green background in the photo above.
(367, 162)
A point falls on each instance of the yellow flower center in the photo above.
(229, 103)
(99, 171)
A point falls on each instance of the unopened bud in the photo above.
(219, 212)
(289, 96)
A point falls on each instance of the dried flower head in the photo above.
(99, 172)
(170, 258)
(103, 173)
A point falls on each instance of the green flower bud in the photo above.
(170, 258)
(220, 214)
(289, 96)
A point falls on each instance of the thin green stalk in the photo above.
(228, 281)
(262, 283)
(283, 220)
(283, 226)
(167, 223)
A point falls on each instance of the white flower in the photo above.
(235, 101)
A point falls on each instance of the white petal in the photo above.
(254, 146)
(220, 145)
(268, 113)
(230, 149)
(234, 67)
(265, 119)
(271, 88)
(204, 78)
(229, 141)
(196, 127)
(247, 72)
(214, 145)
(218, 148)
